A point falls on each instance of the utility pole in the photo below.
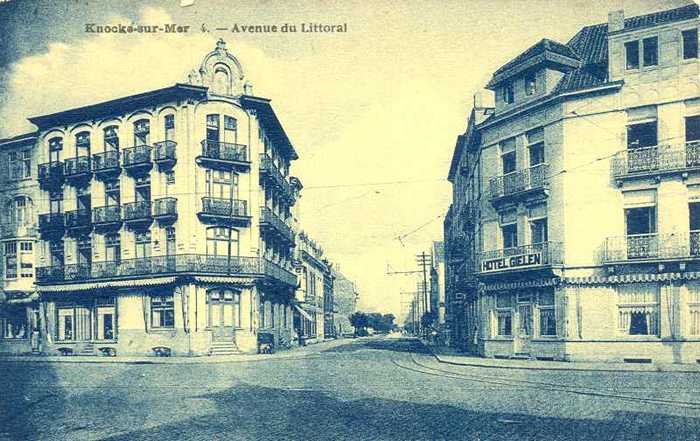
(415, 308)
(424, 260)
(414, 311)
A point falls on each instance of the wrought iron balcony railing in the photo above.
(164, 153)
(51, 222)
(51, 174)
(268, 170)
(657, 159)
(270, 220)
(222, 207)
(79, 166)
(522, 257)
(165, 207)
(170, 264)
(138, 156)
(110, 214)
(105, 161)
(137, 211)
(18, 230)
(78, 218)
(651, 246)
(529, 179)
(224, 151)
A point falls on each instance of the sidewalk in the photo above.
(296, 352)
(451, 356)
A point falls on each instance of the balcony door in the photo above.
(224, 313)
(222, 249)
(642, 240)
(642, 149)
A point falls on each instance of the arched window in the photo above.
(55, 147)
(221, 82)
(111, 138)
(222, 241)
(82, 144)
(142, 132)
(19, 210)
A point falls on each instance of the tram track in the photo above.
(414, 365)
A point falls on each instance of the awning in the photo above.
(20, 297)
(225, 279)
(520, 284)
(303, 313)
(632, 278)
(107, 284)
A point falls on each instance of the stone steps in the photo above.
(224, 348)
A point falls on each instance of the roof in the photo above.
(270, 122)
(118, 106)
(19, 139)
(544, 45)
(657, 18)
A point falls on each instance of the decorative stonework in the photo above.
(221, 72)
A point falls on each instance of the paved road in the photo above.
(368, 389)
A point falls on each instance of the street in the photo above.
(375, 388)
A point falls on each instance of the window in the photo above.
(143, 244)
(504, 315)
(212, 127)
(78, 321)
(651, 51)
(169, 177)
(641, 134)
(11, 260)
(692, 129)
(20, 165)
(162, 312)
(632, 55)
(113, 248)
(538, 230)
(26, 259)
(111, 138)
(19, 211)
(222, 241)
(638, 309)
(142, 132)
(690, 44)
(530, 84)
(694, 309)
(222, 184)
(82, 144)
(55, 145)
(169, 126)
(112, 193)
(105, 313)
(13, 322)
(548, 321)
(640, 220)
(535, 141)
(230, 130)
(508, 158)
(143, 188)
(509, 229)
(508, 95)
(56, 249)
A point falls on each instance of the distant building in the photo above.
(437, 283)
(573, 233)
(313, 269)
(345, 302)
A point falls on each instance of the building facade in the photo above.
(587, 211)
(164, 221)
(313, 271)
(437, 284)
(345, 302)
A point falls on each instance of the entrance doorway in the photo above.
(224, 313)
(524, 333)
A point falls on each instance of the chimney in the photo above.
(616, 20)
(483, 99)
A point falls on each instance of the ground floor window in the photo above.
(548, 321)
(694, 310)
(162, 311)
(95, 319)
(504, 315)
(13, 322)
(638, 309)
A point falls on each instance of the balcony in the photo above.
(79, 221)
(216, 154)
(520, 184)
(108, 217)
(273, 224)
(78, 169)
(652, 247)
(51, 224)
(137, 160)
(137, 213)
(165, 210)
(185, 264)
(51, 175)
(656, 161)
(271, 175)
(106, 164)
(12, 230)
(527, 257)
(229, 211)
(164, 154)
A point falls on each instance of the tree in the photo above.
(359, 321)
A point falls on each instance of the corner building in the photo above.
(165, 220)
(587, 216)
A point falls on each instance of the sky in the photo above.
(373, 113)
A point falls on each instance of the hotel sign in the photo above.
(510, 262)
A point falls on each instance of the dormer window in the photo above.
(690, 44)
(508, 94)
(530, 84)
(651, 51)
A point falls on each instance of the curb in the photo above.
(652, 369)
